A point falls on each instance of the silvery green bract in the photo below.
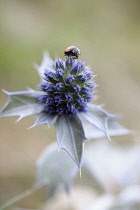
(64, 98)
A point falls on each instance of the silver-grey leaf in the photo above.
(56, 170)
(22, 104)
(70, 136)
(114, 129)
(44, 118)
(98, 117)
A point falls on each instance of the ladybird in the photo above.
(73, 52)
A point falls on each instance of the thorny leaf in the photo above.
(114, 129)
(22, 104)
(99, 118)
(44, 118)
(55, 170)
(70, 136)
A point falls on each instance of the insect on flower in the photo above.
(73, 52)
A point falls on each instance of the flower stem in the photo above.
(18, 198)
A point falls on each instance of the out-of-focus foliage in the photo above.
(114, 168)
(55, 170)
(107, 33)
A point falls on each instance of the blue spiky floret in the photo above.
(67, 88)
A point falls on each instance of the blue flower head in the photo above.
(66, 88)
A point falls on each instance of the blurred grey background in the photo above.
(108, 35)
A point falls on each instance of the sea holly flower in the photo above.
(66, 88)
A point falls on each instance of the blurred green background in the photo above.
(108, 35)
